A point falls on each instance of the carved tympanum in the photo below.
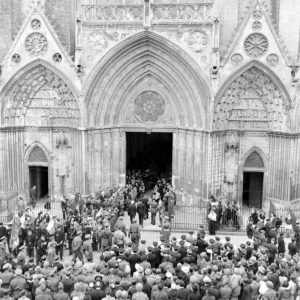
(41, 98)
(252, 102)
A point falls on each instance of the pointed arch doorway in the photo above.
(253, 181)
(38, 172)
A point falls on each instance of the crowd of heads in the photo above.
(88, 253)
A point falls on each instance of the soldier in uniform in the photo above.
(153, 211)
(59, 238)
(30, 242)
(134, 233)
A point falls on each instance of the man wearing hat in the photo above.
(134, 233)
(292, 247)
(153, 210)
(61, 295)
(41, 248)
(77, 246)
(119, 238)
(6, 276)
(59, 237)
(131, 211)
(30, 242)
(17, 284)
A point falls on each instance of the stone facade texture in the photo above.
(221, 76)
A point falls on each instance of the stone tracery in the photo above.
(41, 98)
(252, 102)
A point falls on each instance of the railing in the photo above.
(190, 217)
(189, 12)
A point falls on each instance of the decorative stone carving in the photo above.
(252, 102)
(257, 14)
(36, 44)
(108, 13)
(182, 13)
(16, 58)
(41, 98)
(36, 24)
(29, 5)
(236, 59)
(254, 160)
(149, 106)
(62, 141)
(272, 60)
(232, 142)
(98, 40)
(57, 57)
(37, 155)
(256, 26)
(197, 40)
(256, 45)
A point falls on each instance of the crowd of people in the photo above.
(90, 253)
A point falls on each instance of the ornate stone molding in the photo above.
(232, 142)
(41, 98)
(112, 13)
(252, 102)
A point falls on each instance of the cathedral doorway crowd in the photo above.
(151, 151)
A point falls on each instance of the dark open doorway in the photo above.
(253, 183)
(149, 151)
(39, 177)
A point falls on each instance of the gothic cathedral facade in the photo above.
(220, 76)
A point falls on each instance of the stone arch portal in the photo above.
(147, 58)
(148, 84)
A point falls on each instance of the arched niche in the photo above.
(253, 174)
(38, 170)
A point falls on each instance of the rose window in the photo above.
(36, 44)
(256, 45)
(149, 106)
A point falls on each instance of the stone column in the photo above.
(122, 149)
(231, 164)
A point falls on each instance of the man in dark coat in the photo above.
(59, 238)
(3, 230)
(292, 247)
(131, 211)
(141, 212)
(281, 244)
(133, 259)
(30, 243)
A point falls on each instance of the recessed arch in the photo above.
(254, 92)
(133, 59)
(248, 154)
(31, 148)
(37, 80)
